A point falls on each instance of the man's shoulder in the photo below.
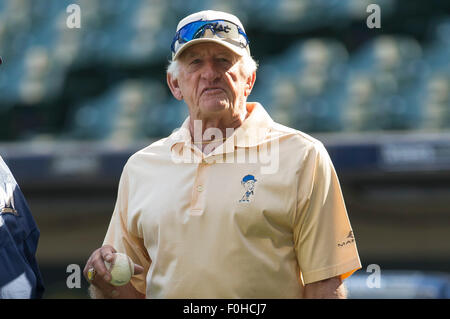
(158, 148)
(295, 136)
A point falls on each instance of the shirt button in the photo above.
(200, 188)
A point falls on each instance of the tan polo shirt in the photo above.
(236, 223)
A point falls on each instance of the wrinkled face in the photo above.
(211, 79)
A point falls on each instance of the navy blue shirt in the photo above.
(19, 235)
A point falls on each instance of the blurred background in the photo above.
(76, 103)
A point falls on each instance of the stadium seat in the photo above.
(436, 102)
(305, 84)
(392, 65)
(133, 109)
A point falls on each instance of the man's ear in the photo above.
(174, 87)
(249, 84)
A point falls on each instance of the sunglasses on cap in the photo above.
(223, 29)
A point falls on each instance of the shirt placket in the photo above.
(198, 198)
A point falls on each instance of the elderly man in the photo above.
(181, 214)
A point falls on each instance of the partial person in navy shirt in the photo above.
(20, 277)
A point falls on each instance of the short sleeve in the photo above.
(323, 237)
(122, 239)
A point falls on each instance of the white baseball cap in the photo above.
(210, 26)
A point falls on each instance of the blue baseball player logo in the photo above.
(248, 182)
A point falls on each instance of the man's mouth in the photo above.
(212, 90)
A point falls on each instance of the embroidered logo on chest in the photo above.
(248, 183)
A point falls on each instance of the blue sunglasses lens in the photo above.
(192, 31)
(195, 30)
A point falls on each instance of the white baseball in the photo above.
(121, 269)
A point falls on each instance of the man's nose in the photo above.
(210, 71)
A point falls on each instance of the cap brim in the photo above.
(238, 50)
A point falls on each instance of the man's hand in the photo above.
(101, 288)
(332, 288)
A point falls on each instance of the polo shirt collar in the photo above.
(252, 132)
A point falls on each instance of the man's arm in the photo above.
(332, 288)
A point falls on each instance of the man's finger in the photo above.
(107, 253)
(95, 266)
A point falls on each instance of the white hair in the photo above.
(250, 66)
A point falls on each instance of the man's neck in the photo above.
(213, 130)
(202, 128)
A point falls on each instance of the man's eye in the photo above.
(196, 61)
